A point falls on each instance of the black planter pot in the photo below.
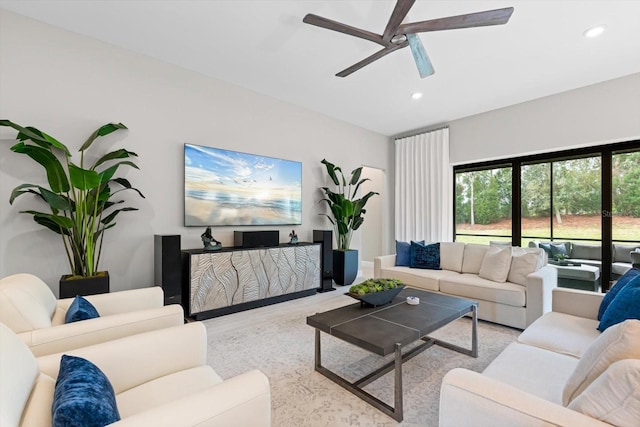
(345, 266)
(69, 288)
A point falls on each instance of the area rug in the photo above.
(277, 340)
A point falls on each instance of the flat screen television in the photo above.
(229, 188)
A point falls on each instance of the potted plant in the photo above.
(375, 292)
(80, 200)
(347, 215)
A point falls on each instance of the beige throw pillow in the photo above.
(523, 263)
(451, 255)
(496, 263)
(613, 397)
(618, 342)
(472, 258)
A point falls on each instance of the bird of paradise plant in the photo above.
(347, 211)
(80, 198)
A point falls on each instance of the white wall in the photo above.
(592, 115)
(372, 227)
(67, 85)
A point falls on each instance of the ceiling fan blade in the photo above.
(420, 56)
(329, 24)
(478, 19)
(368, 60)
(399, 13)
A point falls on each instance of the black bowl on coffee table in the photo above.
(375, 299)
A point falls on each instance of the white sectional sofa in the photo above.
(560, 372)
(516, 302)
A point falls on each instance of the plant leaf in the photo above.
(126, 184)
(56, 223)
(55, 172)
(359, 184)
(329, 217)
(108, 173)
(55, 143)
(342, 228)
(20, 190)
(118, 154)
(331, 170)
(56, 201)
(38, 137)
(113, 215)
(83, 179)
(102, 131)
(355, 175)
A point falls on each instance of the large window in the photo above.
(561, 200)
(626, 197)
(483, 205)
(590, 196)
(577, 200)
(535, 203)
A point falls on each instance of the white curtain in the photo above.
(424, 187)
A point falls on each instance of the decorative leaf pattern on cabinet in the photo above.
(222, 279)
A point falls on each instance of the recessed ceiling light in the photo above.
(416, 95)
(594, 31)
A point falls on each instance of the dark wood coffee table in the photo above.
(386, 329)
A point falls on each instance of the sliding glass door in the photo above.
(535, 203)
(589, 196)
(626, 197)
(577, 200)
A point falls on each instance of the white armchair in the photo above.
(29, 308)
(160, 378)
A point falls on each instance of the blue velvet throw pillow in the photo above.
(558, 249)
(403, 253)
(80, 309)
(547, 248)
(625, 305)
(609, 296)
(83, 395)
(425, 256)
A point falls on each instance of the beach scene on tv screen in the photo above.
(224, 187)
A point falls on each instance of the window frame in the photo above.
(605, 152)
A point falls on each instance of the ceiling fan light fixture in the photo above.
(594, 31)
(397, 35)
(416, 95)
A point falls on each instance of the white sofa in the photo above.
(29, 308)
(516, 302)
(160, 378)
(525, 384)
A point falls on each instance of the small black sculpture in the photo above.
(294, 237)
(207, 238)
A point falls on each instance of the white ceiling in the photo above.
(263, 45)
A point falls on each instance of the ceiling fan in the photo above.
(398, 35)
